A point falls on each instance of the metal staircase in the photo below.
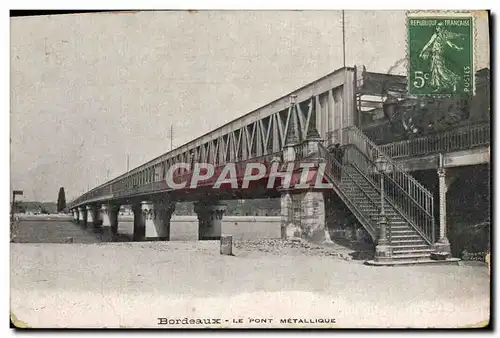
(408, 205)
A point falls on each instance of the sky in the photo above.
(88, 90)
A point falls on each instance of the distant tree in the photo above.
(61, 200)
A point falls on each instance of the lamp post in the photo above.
(382, 250)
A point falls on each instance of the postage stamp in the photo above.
(440, 54)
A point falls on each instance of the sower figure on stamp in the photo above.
(441, 75)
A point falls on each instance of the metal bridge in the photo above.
(329, 110)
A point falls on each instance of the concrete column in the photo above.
(157, 219)
(312, 225)
(76, 215)
(97, 216)
(210, 219)
(443, 245)
(112, 213)
(82, 211)
(288, 228)
(104, 215)
(90, 214)
(139, 222)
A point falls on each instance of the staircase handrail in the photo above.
(427, 234)
(393, 164)
(331, 161)
(419, 207)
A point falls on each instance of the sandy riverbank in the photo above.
(132, 284)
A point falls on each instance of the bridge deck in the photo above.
(463, 145)
(479, 155)
(256, 134)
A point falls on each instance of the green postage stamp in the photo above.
(440, 54)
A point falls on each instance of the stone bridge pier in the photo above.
(156, 218)
(152, 220)
(302, 207)
(303, 215)
(109, 215)
(94, 215)
(82, 211)
(209, 219)
(90, 214)
(76, 215)
(139, 225)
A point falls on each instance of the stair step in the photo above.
(404, 233)
(359, 196)
(411, 257)
(409, 247)
(401, 242)
(406, 238)
(364, 190)
(412, 251)
(390, 214)
(365, 204)
(387, 213)
(389, 218)
(375, 197)
(372, 208)
(393, 216)
(359, 181)
(364, 200)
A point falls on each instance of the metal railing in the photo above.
(464, 137)
(355, 157)
(336, 173)
(414, 202)
(301, 151)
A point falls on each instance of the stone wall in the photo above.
(185, 228)
(469, 207)
(338, 218)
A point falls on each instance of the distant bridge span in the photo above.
(260, 133)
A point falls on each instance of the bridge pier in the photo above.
(287, 227)
(109, 214)
(83, 215)
(312, 216)
(139, 224)
(209, 219)
(156, 217)
(93, 216)
(76, 215)
(97, 216)
(90, 214)
(303, 215)
(104, 215)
